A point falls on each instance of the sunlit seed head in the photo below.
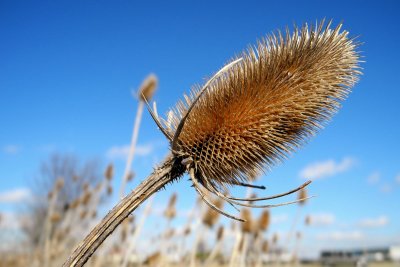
(148, 87)
(265, 106)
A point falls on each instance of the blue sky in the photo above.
(68, 69)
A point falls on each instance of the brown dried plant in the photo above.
(250, 115)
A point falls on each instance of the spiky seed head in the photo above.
(210, 217)
(83, 214)
(75, 203)
(265, 246)
(55, 217)
(275, 238)
(85, 186)
(268, 104)
(148, 87)
(170, 211)
(307, 220)
(187, 231)
(264, 220)
(75, 178)
(298, 235)
(130, 176)
(87, 195)
(247, 226)
(220, 232)
(59, 184)
(109, 173)
(109, 190)
(302, 195)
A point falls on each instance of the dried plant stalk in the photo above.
(247, 117)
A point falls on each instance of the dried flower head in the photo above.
(59, 184)
(307, 220)
(148, 87)
(264, 220)
(130, 176)
(302, 196)
(55, 217)
(261, 107)
(220, 232)
(247, 225)
(265, 246)
(211, 216)
(109, 173)
(170, 211)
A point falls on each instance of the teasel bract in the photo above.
(249, 116)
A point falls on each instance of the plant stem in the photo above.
(132, 147)
(167, 172)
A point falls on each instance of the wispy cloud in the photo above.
(121, 152)
(377, 222)
(11, 149)
(279, 218)
(15, 195)
(386, 188)
(374, 178)
(397, 179)
(326, 168)
(322, 219)
(341, 235)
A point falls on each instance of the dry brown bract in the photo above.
(247, 117)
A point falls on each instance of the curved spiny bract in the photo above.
(266, 105)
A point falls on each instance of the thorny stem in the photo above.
(170, 170)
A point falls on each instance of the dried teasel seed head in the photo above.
(302, 195)
(59, 184)
(264, 220)
(130, 176)
(85, 186)
(83, 214)
(86, 198)
(109, 190)
(75, 178)
(275, 238)
(170, 212)
(124, 233)
(210, 217)
(298, 235)
(271, 101)
(307, 220)
(148, 87)
(55, 217)
(220, 232)
(75, 203)
(247, 226)
(170, 233)
(265, 246)
(187, 231)
(109, 172)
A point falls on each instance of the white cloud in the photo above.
(326, 168)
(341, 235)
(322, 219)
(15, 195)
(386, 188)
(374, 178)
(11, 149)
(279, 218)
(398, 179)
(380, 221)
(121, 152)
